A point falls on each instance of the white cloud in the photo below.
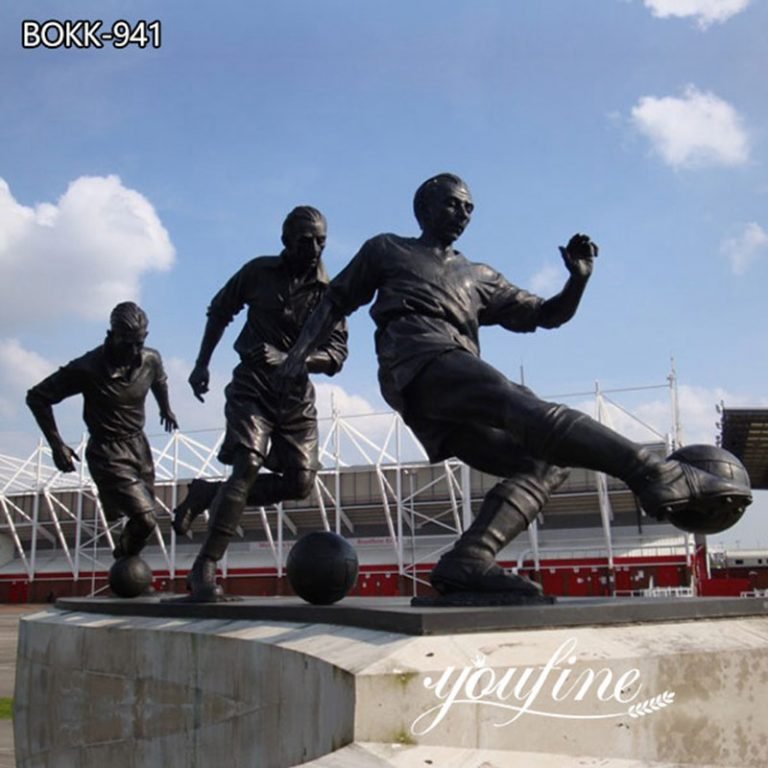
(19, 370)
(331, 396)
(368, 432)
(16, 445)
(80, 256)
(698, 415)
(652, 420)
(745, 248)
(649, 422)
(547, 281)
(706, 12)
(699, 129)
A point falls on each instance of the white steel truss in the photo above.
(43, 508)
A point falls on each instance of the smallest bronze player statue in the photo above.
(114, 380)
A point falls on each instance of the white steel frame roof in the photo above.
(379, 442)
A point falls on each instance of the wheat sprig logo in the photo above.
(649, 706)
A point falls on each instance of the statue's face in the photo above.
(304, 245)
(448, 213)
(126, 346)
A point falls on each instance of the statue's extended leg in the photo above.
(225, 516)
(462, 389)
(200, 496)
(244, 487)
(507, 510)
(574, 439)
(267, 489)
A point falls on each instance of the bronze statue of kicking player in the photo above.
(429, 303)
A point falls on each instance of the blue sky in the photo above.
(153, 174)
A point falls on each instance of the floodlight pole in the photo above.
(677, 430)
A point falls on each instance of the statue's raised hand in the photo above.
(579, 255)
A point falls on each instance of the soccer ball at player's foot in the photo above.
(130, 577)
(322, 567)
(715, 514)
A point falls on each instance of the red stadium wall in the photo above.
(585, 577)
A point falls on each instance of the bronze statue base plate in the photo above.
(397, 614)
(480, 599)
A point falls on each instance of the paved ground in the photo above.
(9, 623)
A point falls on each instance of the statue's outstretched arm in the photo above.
(167, 416)
(578, 256)
(200, 377)
(42, 409)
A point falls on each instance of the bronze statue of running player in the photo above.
(263, 419)
(114, 380)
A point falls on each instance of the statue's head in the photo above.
(443, 207)
(127, 332)
(304, 233)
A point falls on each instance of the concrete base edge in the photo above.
(367, 755)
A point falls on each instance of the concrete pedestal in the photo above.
(122, 683)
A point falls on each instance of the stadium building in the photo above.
(378, 490)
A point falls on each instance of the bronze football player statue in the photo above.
(429, 303)
(264, 420)
(114, 380)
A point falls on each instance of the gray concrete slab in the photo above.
(397, 614)
(144, 691)
(9, 629)
(7, 756)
